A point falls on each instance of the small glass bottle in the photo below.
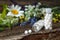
(38, 25)
(48, 18)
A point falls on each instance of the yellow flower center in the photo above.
(15, 12)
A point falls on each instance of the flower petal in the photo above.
(21, 12)
(12, 6)
(18, 15)
(10, 14)
(16, 6)
(8, 9)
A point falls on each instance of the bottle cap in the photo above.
(48, 10)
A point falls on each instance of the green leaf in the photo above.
(4, 11)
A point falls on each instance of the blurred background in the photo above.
(23, 2)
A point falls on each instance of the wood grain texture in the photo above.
(18, 33)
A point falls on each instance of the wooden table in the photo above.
(18, 33)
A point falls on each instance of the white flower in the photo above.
(43, 10)
(37, 6)
(29, 7)
(39, 3)
(15, 11)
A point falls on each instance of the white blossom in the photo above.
(15, 11)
